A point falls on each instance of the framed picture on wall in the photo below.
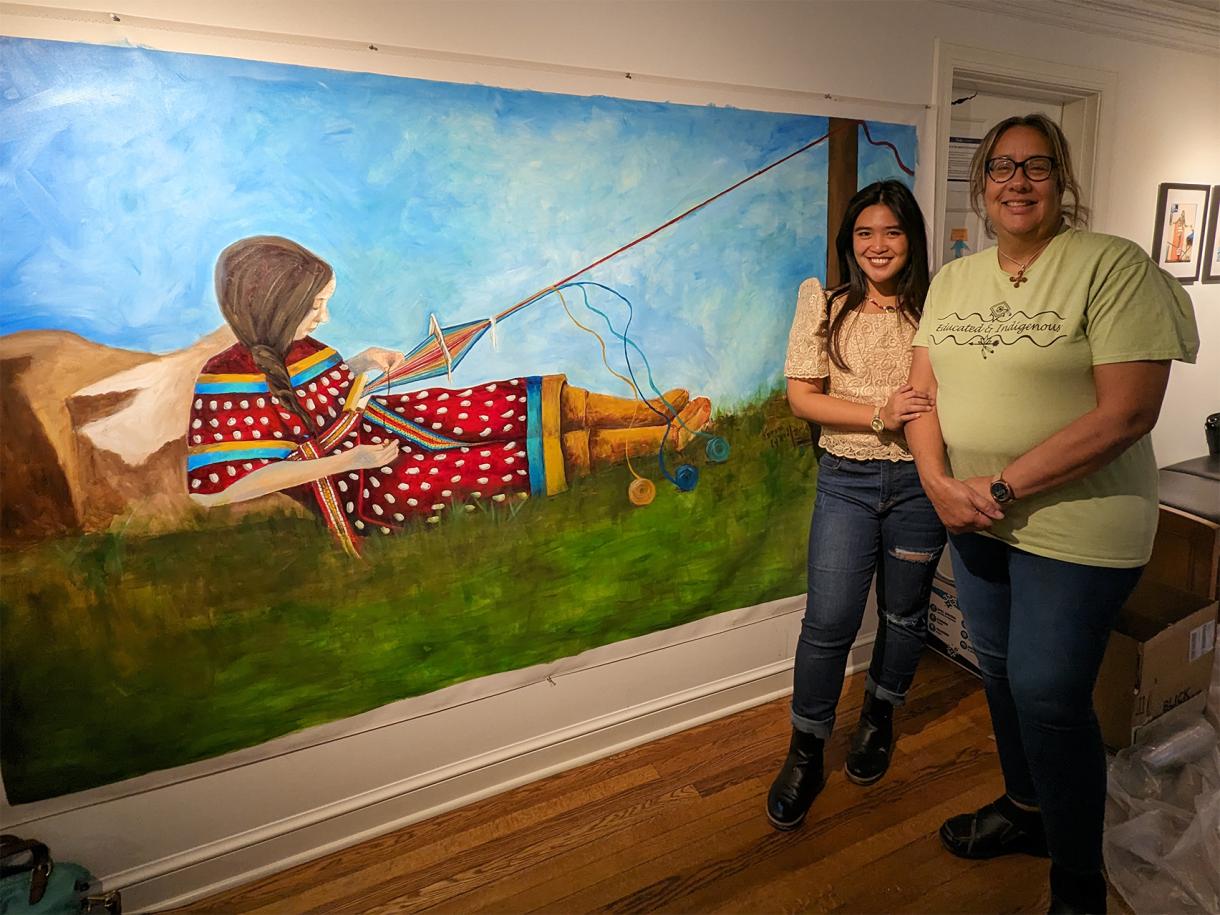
(1211, 250)
(1181, 210)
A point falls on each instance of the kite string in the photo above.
(629, 343)
(676, 219)
(686, 476)
(609, 368)
(698, 206)
(600, 342)
(892, 148)
(684, 479)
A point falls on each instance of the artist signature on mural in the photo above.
(788, 435)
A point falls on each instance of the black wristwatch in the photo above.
(1001, 491)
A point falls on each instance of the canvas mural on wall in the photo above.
(219, 276)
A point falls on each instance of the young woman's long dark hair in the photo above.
(266, 285)
(912, 281)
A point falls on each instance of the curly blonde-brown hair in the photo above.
(1074, 211)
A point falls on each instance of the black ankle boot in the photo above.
(869, 756)
(1077, 894)
(798, 782)
(999, 828)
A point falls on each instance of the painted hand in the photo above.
(376, 358)
(366, 457)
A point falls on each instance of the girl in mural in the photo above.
(847, 364)
(281, 412)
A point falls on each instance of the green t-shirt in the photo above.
(1015, 365)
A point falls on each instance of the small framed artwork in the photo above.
(1211, 250)
(1181, 210)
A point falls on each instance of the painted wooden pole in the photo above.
(841, 176)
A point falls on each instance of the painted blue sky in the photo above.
(124, 172)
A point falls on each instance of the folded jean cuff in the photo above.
(895, 699)
(820, 729)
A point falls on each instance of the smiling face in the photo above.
(881, 247)
(1021, 209)
(318, 313)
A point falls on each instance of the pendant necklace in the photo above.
(888, 309)
(1019, 277)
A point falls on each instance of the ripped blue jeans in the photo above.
(870, 517)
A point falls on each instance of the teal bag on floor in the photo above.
(30, 882)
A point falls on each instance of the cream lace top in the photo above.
(877, 350)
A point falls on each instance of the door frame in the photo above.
(1087, 94)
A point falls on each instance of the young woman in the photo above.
(848, 360)
(1048, 358)
(281, 412)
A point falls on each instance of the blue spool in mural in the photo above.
(717, 449)
(686, 477)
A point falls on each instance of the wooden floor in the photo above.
(678, 826)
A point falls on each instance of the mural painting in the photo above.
(321, 390)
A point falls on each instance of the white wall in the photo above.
(1165, 126)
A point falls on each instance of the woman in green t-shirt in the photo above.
(1048, 359)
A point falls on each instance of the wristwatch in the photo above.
(877, 424)
(1001, 491)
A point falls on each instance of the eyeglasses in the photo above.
(1036, 168)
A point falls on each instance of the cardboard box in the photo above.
(946, 630)
(1158, 661)
(1186, 553)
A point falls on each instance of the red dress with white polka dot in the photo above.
(237, 427)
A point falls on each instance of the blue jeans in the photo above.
(1039, 627)
(869, 517)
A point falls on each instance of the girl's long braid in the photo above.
(272, 364)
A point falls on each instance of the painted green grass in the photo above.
(124, 655)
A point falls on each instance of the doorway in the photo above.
(975, 89)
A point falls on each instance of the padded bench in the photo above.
(1187, 550)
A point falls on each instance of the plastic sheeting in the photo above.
(1162, 841)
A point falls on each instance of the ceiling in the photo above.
(1192, 25)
